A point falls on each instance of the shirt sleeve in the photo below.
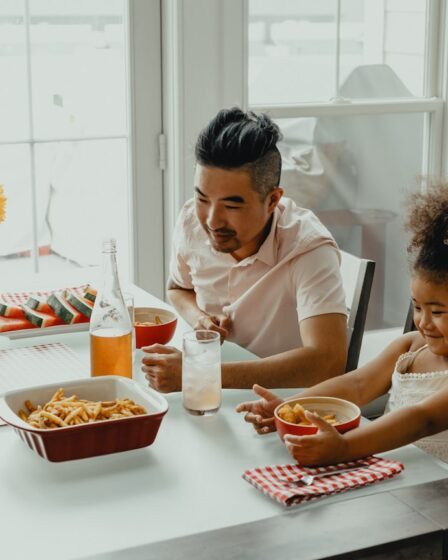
(318, 283)
(179, 269)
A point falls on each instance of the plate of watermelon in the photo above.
(24, 314)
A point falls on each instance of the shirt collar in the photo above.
(267, 253)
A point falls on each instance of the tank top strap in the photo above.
(416, 353)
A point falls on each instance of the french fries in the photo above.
(157, 321)
(296, 415)
(61, 411)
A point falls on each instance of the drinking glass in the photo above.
(201, 372)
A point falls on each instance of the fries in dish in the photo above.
(295, 414)
(61, 411)
(157, 321)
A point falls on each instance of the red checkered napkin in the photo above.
(269, 479)
(17, 298)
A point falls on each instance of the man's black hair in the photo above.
(240, 140)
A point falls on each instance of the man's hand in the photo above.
(326, 447)
(219, 323)
(261, 413)
(162, 366)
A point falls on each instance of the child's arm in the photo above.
(392, 430)
(359, 386)
(369, 381)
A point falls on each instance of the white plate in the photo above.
(59, 329)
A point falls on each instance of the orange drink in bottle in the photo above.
(110, 323)
(111, 352)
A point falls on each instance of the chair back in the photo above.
(357, 278)
(409, 323)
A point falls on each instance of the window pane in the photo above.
(16, 232)
(293, 49)
(13, 89)
(78, 67)
(382, 48)
(86, 193)
(353, 172)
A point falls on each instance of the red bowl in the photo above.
(145, 335)
(347, 414)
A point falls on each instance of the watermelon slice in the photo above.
(12, 324)
(13, 311)
(64, 310)
(40, 319)
(39, 304)
(81, 304)
(90, 293)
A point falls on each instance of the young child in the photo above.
(413, 368)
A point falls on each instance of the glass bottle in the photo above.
(110, 324)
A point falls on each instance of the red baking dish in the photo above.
(96, 438)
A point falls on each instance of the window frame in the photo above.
(435, 153)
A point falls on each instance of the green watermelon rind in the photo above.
(33, 303)
(32, 316)
(89, 295)
(60, 309)
(79, 305)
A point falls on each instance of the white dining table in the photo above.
(188, 482)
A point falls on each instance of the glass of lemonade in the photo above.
(201, 372)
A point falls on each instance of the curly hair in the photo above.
(427, 221)
(244, 141)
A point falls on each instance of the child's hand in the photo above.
(261, 413)
(326, 447)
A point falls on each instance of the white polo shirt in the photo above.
(293, 276)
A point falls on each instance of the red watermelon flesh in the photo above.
(11, 324)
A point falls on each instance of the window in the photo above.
(351, 84)
(306, 50)
(64, 133)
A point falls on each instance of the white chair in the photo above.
(357, 277)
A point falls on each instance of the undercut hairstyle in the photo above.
(428, 224)
(243, 141)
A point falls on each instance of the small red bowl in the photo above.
(145, 335)
(347, 414)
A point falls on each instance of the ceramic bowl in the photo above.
(89, 439)
(145, 335)
(348, 415)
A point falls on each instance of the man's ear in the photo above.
(274, 198)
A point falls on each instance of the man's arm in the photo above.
(323, 355)
(184, 301)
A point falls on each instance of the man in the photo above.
(252, 266)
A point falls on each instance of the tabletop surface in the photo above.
(189, 481)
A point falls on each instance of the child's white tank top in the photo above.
(411, 388)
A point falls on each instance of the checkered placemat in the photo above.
(270, 479)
